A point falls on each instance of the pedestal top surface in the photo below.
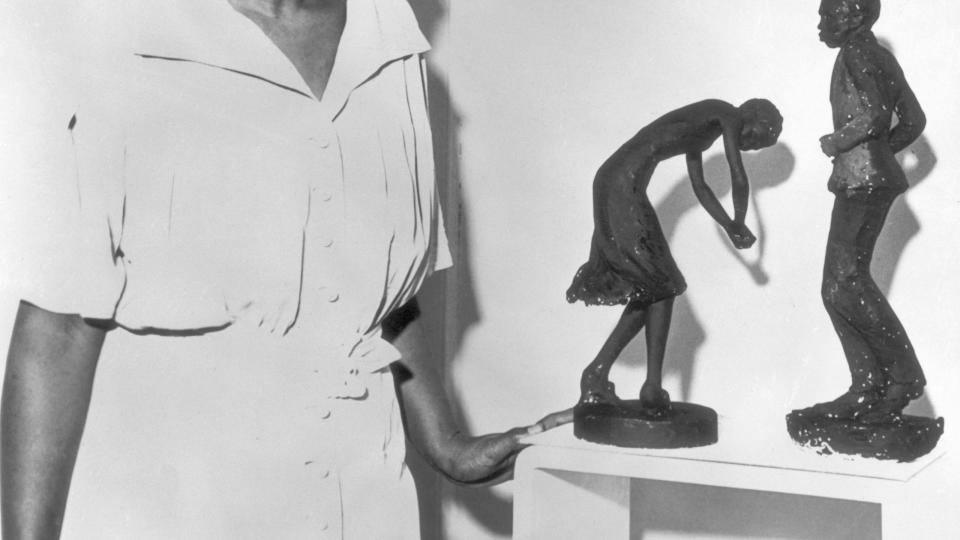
(753, 445)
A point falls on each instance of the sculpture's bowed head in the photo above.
(762, 124)
(842, 19)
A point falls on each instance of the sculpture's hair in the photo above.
(870, 9)
(763, 111)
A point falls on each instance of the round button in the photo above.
(333, 297)
(325, 135)
(324, 474)
(326, 242)
(320, 140)
(326, 196)
(324, 526)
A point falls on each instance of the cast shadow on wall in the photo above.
(487, 509)
(917, 161)
(766, 169)
(448, 319)
(902, 225)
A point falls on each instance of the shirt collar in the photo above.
(376, 33)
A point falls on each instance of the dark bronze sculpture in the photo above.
(867, 88)
(630, 264)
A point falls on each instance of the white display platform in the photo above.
(594, 502)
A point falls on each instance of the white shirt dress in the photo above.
(211, 196)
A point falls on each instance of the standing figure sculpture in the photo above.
(630, 263)
(866, 89)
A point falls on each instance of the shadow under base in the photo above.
(629, 425)
(904, 438)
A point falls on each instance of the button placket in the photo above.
(328, 517)
(323, 472)
(323, 134)
(326, 213)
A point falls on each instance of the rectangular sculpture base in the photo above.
(566, 488)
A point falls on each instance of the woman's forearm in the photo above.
(46, 395)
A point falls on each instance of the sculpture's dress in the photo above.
(629, 257)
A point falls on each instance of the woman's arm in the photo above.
(428, 416)
(46, 394)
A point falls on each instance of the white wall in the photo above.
(543, 91)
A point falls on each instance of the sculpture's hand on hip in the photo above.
(829, 146)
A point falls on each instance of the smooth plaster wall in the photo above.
(542, 91)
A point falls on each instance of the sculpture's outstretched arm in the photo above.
(738, 232)
(739, 184)
(708, 200)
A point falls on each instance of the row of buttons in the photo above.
(325, 473)
(323, 140)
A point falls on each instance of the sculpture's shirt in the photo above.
(866, 88)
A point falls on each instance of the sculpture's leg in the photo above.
(652, 394)
(873, 339)
(903, 377)
(853, 230)
(595, 385)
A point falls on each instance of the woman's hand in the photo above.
(489, 459)
(429, 420)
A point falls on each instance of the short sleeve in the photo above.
(59, 255)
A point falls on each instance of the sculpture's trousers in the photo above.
(874, 341)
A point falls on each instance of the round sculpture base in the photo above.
(628, 424)
(904, 438)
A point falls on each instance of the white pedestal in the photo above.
(566, 488)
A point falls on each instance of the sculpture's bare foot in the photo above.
(654, 398)
(850, 405)
(594, 390)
